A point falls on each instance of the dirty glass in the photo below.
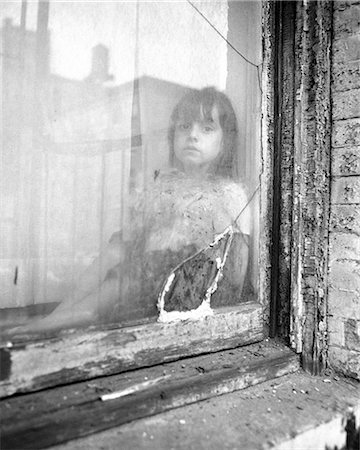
(130, 161)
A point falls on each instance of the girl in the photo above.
(178, 215)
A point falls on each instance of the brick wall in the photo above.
(344, 258)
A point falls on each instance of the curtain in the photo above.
(88, 90)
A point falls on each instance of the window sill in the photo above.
(296, 411)
(31, 363)
(69, 412)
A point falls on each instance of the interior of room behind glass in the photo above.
(88, 91)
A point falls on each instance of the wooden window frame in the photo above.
(286, 255)
(68, 412)
(46, 360)
(302, 169)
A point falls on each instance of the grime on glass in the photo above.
(131, 161)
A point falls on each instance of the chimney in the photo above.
(100, 65)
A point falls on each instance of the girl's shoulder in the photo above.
(235, 200)
(233, 189)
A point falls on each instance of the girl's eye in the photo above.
(183, 126)
(207, 128)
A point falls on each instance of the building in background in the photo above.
(72, 150)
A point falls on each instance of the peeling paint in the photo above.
(132, 389)
(84, 354)
(305, 181)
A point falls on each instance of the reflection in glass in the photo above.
(121, 165)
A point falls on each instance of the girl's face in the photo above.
(197, 144)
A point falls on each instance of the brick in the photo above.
(344, 275)
(345, 361)
(347, 21)
(343, 303)
(341, 5)
(346, 105)
(344, 246)
(346, 49)
(352, 333)
(345, 219)
(336, 331)
(345, 76)
(346, 133)
(345, 190)
(345, 161)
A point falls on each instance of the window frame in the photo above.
(303, 167)
(29, 365)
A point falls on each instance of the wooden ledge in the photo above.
(78, 355)
(296, 411)
(58, 415)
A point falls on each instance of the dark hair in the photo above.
(201, 102)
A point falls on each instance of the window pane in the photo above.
(130, 160)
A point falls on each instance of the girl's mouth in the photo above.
(191, 149)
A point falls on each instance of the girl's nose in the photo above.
(194, 131)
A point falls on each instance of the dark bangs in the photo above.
(194, 107)
(198, 106)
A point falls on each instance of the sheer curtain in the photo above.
(88, 90)
(69, 78)
(243, 84)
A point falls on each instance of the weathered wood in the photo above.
(77, 417)
(69, 357)
(311, 182)
(259, 417)
(267, 157)
(296, 319)
(18, 407)
(77, 355)
(283, 169)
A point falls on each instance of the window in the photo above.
(132, 171)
